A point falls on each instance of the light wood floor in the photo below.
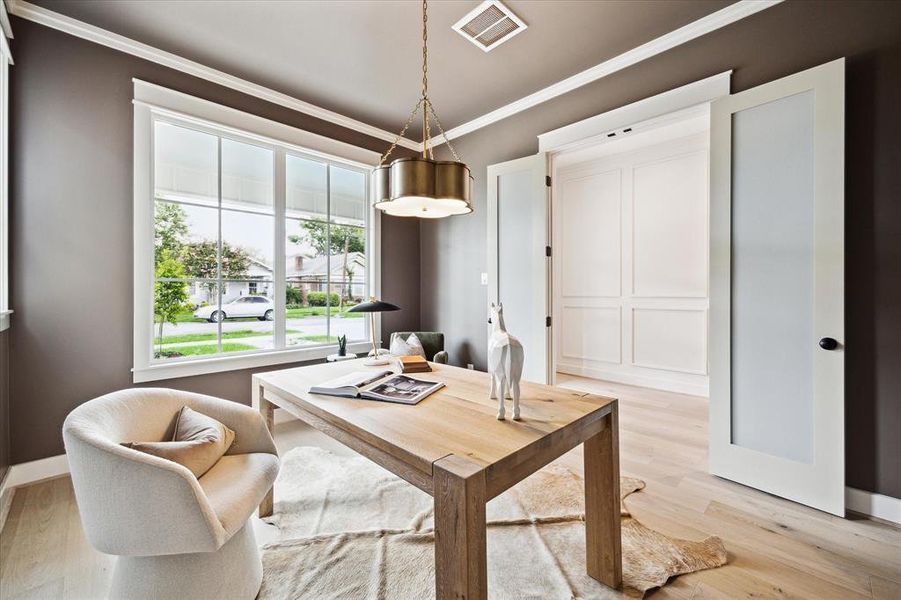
(777, 549)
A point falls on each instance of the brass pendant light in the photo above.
(422, 186)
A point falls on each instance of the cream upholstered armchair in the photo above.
(176, 536)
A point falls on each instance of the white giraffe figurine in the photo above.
(505, 358)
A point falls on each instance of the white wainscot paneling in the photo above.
(670, 339)
(592, 333)
(591, 253)
(670, 227)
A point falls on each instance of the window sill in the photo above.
(221, 364)
(4, 319)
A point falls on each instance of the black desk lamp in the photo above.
(372, 307)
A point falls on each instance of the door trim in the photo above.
(594, 130)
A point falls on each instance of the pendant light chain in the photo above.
(424, 103)
(427, 151)
(425, 50)
(443, 134)
(401, 134)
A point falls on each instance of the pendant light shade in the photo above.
(424, 188)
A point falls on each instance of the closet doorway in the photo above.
(630, 261)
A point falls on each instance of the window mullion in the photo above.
(372, 256)
(280, 202)
(219, 245)
(328, 253)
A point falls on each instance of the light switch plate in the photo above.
(484, 278)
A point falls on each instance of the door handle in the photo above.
(828, 343)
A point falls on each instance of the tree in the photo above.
(317, 235)
(348, 279)
(334, 239)
(170, 229)
(200, 261)
(169, 297)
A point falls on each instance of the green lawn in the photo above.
(292, 313)
(184, 317)
(203, 349)
(206, 337)
(319, 338)
(319, 311)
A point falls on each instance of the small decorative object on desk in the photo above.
(338, 357)
(505, 359)
(414, 364)
(342, 345)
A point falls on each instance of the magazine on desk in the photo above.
(382, 385)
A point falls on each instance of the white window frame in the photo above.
(6, 60)
(154, 103)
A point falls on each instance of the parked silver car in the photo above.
(260, 307)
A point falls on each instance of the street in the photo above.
(304, 331)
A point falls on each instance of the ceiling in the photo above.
(363, 58)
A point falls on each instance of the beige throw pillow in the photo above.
(409, 347)
(198, 442)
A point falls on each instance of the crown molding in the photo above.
(712, 22)
(4, 21)
(677, 37)
(54, 20)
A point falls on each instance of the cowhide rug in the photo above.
(349, 529)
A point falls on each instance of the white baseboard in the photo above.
(36, 470)
(28, 473)
(667, 385)
(873, 505)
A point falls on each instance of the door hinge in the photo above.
(547, 250)
(547, 180)
(547, 321)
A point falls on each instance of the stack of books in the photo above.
(414, 364)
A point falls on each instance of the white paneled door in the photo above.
(777, 398)
(630, 261)
(518, 265)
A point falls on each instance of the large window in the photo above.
(259, 249)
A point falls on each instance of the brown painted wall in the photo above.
(71, 229)
(776, 42)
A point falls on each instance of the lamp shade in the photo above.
(373, 306)
(424, 188)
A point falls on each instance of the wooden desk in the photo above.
(451, 446)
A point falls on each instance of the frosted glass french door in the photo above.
(518, 265)
(777, 396)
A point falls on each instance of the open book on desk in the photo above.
(382, 385)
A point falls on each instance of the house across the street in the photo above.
(301, 271)
(312, 273)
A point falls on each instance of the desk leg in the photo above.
(602, 513)
(267, 410)
(461, 568)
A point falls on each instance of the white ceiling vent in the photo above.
(489, 25)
